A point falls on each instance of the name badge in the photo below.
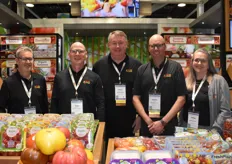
(193, 120)
(154, 105)
(120, 94)
(76, 106)
(30, 110)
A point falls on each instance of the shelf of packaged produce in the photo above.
(110, 149)
(97, 150)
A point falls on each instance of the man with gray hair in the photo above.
(24, 92)
(118, 71)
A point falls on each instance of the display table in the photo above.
(110, 149)
(97, 149)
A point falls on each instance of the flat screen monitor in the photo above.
(110, 8)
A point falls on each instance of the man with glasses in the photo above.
(77, 89)
(24, 92)
(117, 71)
(159, 91)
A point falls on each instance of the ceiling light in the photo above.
(169, 17)
(181, 5)
(17, 22)
(219, 23)
(70, 4)
(30, 5)
(202, 22)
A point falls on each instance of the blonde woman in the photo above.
(208, 102)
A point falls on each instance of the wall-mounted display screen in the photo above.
(110, 8)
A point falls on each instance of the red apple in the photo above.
(76, 142)
(65, 131)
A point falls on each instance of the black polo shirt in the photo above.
(119, 119)
(170, 86)
(14, 98)
(90, 91)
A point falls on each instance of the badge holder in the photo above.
(120, 94)
(76, 106)
(154, 104)
(30, 110)
(193, 119)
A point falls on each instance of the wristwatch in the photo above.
(163, 122)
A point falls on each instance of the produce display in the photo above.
(135, 143)
(192, 146)
(227, 131)
(41, 139)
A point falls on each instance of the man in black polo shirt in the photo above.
(77, 89)
(24, 92)
(118, 71)
(159, 91)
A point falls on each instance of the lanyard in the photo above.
(119, 73)
(76, 86)
(194, 94)
(28, 92)
(156, 80)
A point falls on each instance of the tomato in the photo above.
(71, 154)
(124, 3)
(90, 161)
(30, 143)
(65, 131)
(76, 143)
(33, 156)
(50, 140)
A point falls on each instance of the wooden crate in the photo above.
(110, 149)
(97, 149)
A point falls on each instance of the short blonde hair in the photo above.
(23, 49)
(117, 33)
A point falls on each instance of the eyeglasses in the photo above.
(197, 60)
(75, 51)
(26, 59)
(117, 43)
(156, 45)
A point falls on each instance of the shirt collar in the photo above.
(77, 73)
(111, 60)
(24, 79)
(160, 66)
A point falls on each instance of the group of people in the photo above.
(123, 92)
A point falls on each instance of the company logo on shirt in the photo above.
(128, 70)
(37, 86)
(86, 82)
(167, 75)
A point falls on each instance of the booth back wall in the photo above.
(97, 48)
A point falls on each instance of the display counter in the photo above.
(110, 149)
(97, 149)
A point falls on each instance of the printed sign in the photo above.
(10, 63)
(178, 39)
(39, 40)
(42, 63)
(14, 40)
